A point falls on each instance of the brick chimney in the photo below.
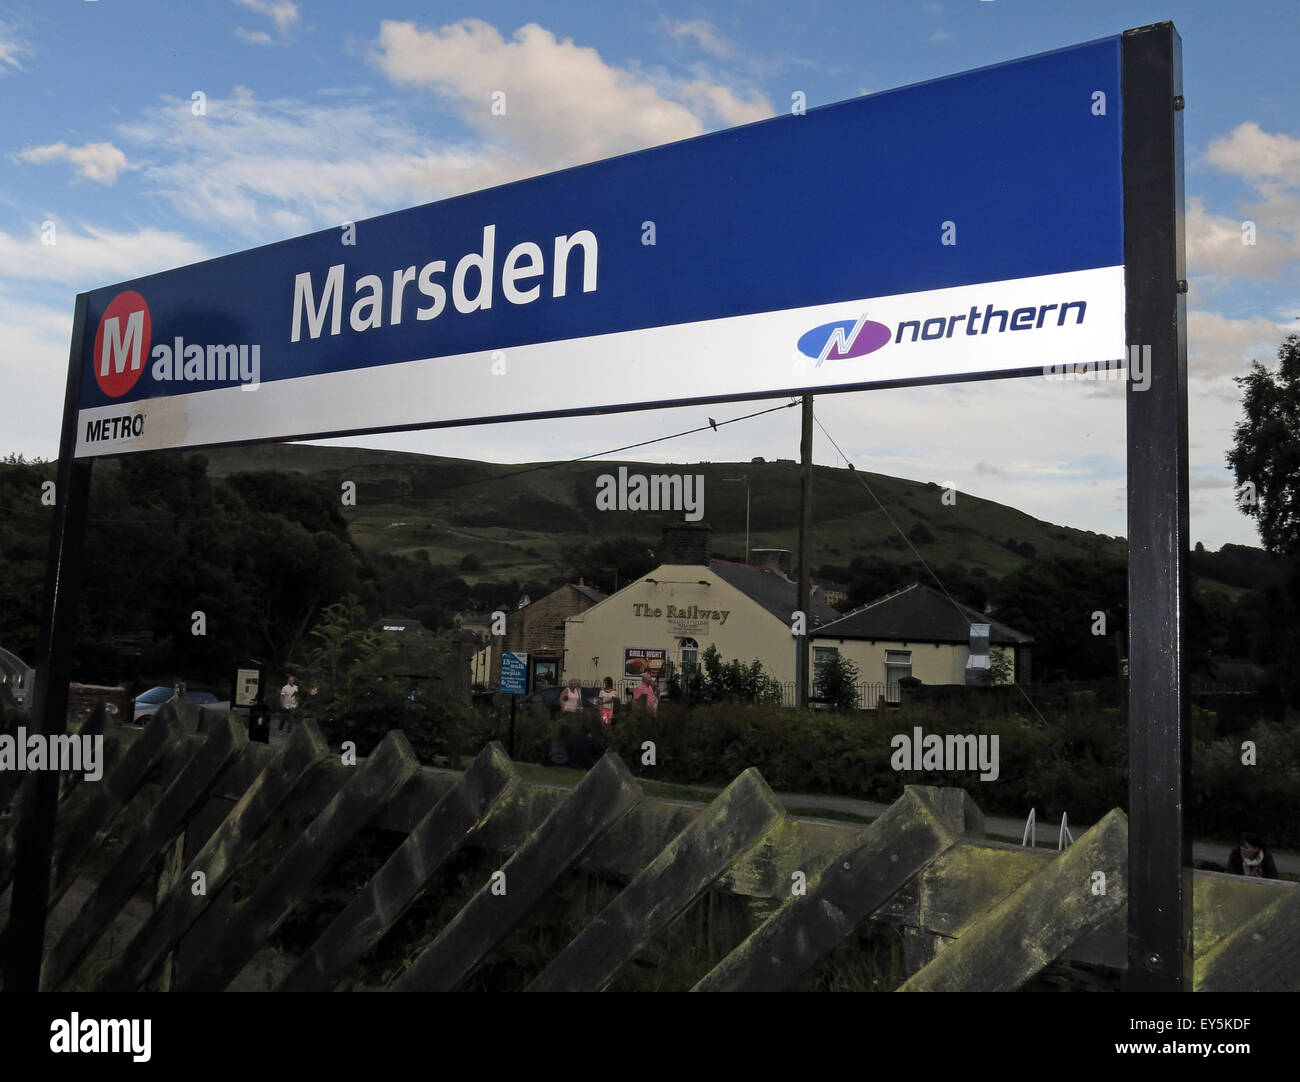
(685, 543)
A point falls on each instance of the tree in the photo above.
(1265, 455)
(343, 677)
(838, 683)
(607, 564)
(1001, 665)
(1265, 459)
(1057, 602)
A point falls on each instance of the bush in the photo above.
(839, 684)
(920, 534)
(1073, 760)
(715, 681)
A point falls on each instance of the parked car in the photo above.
(148, 702)
(550, 698)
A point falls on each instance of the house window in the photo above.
(821, 658)
(690, 655)
(898, 665)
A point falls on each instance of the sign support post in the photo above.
(1159, 863)
(24, 948)
(513, 700)
(514, 681)
(805, 555)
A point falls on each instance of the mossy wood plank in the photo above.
(893, 849)
(736, 820)
(1038, 921)
(1263, 955)
(11, 780)
(179, 907)
(1222, 903)
(159, 827)
(94, 725)
(605, 794)
(168, 875)
(155, 748)
(159, 752)
(919, 947)
(372, 783)
(450, 824)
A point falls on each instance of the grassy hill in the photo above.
(517, 519)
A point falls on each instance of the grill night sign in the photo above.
(963, 228)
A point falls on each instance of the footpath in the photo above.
(1002, 826)
(1217, 852)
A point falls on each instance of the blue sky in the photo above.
(317, 113)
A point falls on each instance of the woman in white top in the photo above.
(571, 697)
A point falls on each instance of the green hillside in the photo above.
(517, 523)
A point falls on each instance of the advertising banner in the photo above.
(640, 660)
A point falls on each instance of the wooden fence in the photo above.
(975, 914)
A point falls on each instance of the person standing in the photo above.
(607, 697)
(571, 697)
(1251, 858)
(288, 704)
(645, 694)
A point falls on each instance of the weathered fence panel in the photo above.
(976, 914)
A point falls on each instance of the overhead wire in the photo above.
(920, 559)
(711, 426)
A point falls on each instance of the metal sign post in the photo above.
(23, 947)
(1159, 863)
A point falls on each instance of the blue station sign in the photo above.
(965, 227)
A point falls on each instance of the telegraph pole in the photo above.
(805, 541)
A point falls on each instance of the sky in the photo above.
(153, 134)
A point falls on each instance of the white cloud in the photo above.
(702, 32)
(724, 103)
(564, 104)
(92, 257)
(95, 161)
(253, 37)
(1218, 345)
(1254, 154)
(12, 49)
(266, 169)
(940, 35)
(284, 13)
(35, 359)
(1270, 164)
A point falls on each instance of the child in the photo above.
(607, 697)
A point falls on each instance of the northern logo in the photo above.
(844, 339)
(122, 343)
